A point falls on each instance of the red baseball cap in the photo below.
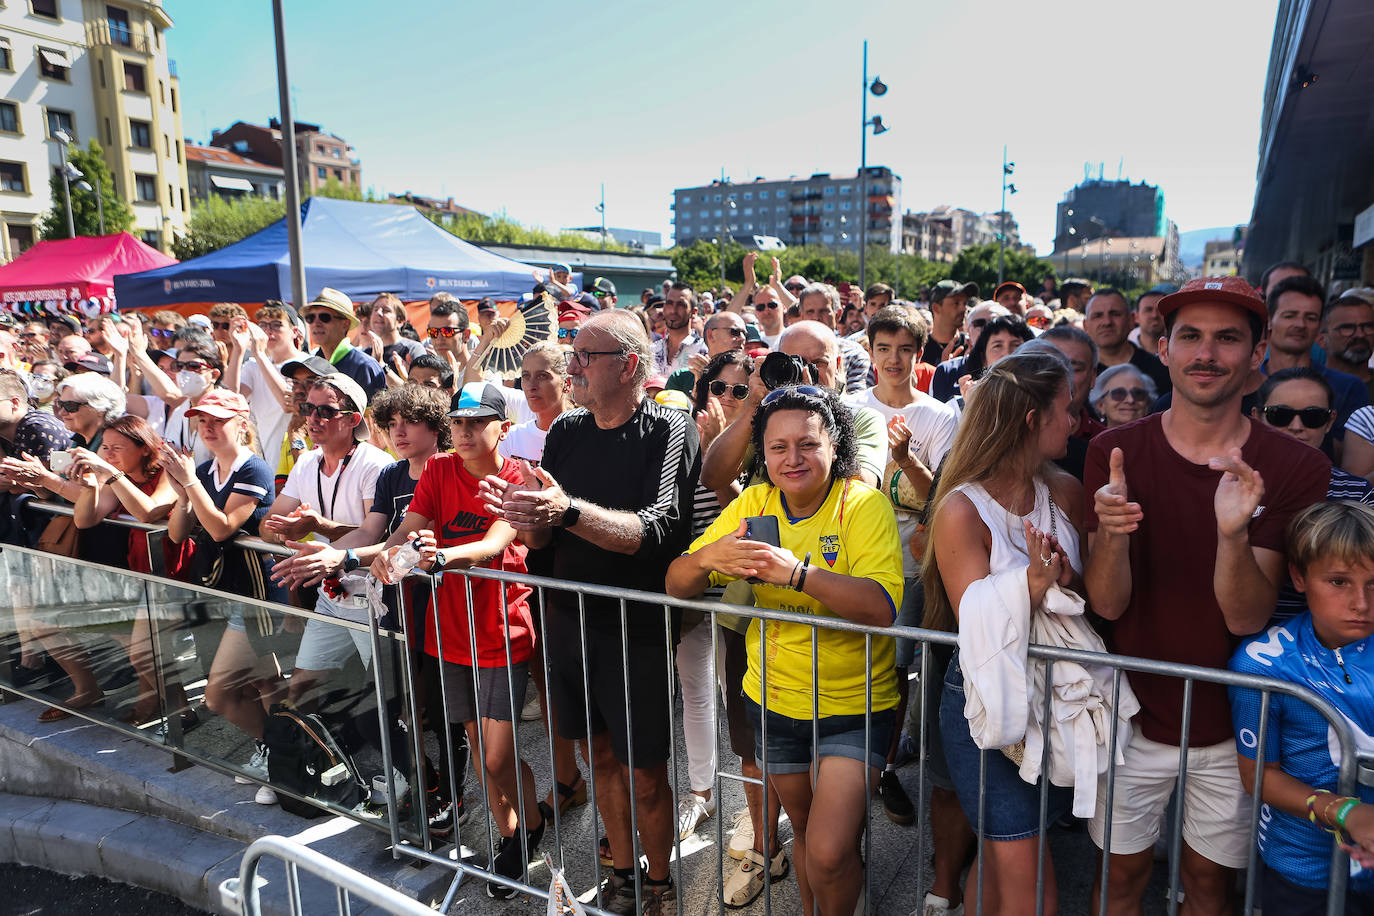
(1229, 290)
(220, 403)
(1010, 284)
(572, 309)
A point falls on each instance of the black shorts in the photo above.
(1279, 895)
(605, 683)
(737, 718)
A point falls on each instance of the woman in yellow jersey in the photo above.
(838, 556)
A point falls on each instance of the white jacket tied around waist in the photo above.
(1005, 690)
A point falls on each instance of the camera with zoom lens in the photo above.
(779, 370)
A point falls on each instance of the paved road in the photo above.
(35, 892)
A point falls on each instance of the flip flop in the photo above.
(57, 714)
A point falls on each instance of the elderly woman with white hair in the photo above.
(1122, 394)
(84, 403)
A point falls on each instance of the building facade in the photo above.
(211, 170)
(320, 157)
(1220, 259)
(940, 234)
(1108, 209)
(1125, 260)
(820, 210)
(91, 70)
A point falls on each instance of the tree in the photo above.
(219, 222)
(502, 230)
(85, 210)
(336, 189)
(978, 264)
(699, 265)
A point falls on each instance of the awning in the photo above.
(55, 58)
(4, 42)
(231, 184)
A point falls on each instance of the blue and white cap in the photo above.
(480, 400)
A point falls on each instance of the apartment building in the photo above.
(822, 209)
(320, 156)
(211, 170)
(97, 70)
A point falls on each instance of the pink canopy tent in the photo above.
(74, 276)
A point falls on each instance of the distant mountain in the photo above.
(1192, 243)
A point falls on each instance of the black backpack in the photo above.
(303, 757)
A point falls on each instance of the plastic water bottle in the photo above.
(404, 560)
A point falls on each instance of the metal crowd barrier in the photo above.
(243, 895)
(419, 845)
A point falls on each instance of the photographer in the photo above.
(815, 359)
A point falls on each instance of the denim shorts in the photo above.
(790, 740)
(910, 614)
(1011, 809)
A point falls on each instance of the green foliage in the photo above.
(336, 189)
(502, 230)
(978, 263)
(699, 265)
(218, 222)
(85, 210)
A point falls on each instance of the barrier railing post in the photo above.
(1111, 795)
(866, 889)
(384, 732)
(635, 849)
(1256, 801)
(477, 757)
(1042, 841)
(1180, 793)
(419, 791)
(672, 743)
(922, 795)
(591, 754)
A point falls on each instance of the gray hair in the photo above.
(1067, 332)
(831, 294)
(97, 391)
(628, 333)
(1104, 382)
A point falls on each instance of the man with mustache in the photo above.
(1348, 335)
(1186, 553)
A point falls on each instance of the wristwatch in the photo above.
(570, 514)
(440, 561)
(351, 561)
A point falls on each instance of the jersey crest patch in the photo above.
(830, 548)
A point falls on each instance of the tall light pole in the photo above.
(61, 136)
(1007, 169)
(877, 87)
(288, 158)
(601, 208)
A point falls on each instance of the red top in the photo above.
(1173, 613)
(446, 494)
(1088, 426)
(924, 373)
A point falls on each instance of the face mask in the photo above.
(40, 387)
(192, 384)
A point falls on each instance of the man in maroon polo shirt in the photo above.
(1185, 556)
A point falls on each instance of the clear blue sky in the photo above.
(527, 107)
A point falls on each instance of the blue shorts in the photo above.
(1279, 895)
(1011, 805)
(790, 744)
(909, 615)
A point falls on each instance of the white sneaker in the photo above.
(256, 766)
(742, 840)
(938, 906)
(691, 811)
(745, 884)
(265, 796)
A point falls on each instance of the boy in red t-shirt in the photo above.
(446, 502)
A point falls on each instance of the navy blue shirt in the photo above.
(395, 488)
(360, 367)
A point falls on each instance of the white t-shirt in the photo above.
(524, 441)
(932, 425)
(181, 431)
(517, 408)
(157, 411)
(342, 497)
(266, 411)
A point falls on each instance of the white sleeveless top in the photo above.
(1009, 534)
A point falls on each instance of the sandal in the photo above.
(570, 796)
(603, 851)
(57, 714)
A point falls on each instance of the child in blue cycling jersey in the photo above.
(1329, 650)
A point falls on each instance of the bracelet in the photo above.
(118, 475)
(793, 574)
(805, 565)
(1311, 805)
(1350, 805)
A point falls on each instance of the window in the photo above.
(174, 98)
(828, 238)
(134, 77)
(179, 149)
(171, 195)
(829, 191)
(12, 177)
(162, 91)
(167, 146)
(152, 237)
(9, 117)
(183, 200)
(145, 188)
(748, 211)
(6, 55)
(46, 8)
(109, 135)
(846, 189)
(846, 205)
(140, 134)
(63, 121)
(763, 195)
(717, 214)
(118, 21)
(686, 199)
(338, 173)
(717, 198)
(321, 173)
(748, 195)
(100, 67)
(336, 153)
(54, 65)
(829, 205)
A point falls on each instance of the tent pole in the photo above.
(290, 172)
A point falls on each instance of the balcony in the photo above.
(114, 35)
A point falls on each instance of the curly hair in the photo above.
(834, 415)
(415, 404)
(713, 370)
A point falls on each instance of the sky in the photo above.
(526, 108)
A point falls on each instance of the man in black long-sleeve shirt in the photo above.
(613, 500)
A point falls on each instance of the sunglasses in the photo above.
(1311, 417)
(436, 333)
(978, 324)
(194, 365)
(1121, 394)
(738, 392)
(567, 333)
(29, 335)
(270, 326)
(732, 331)
(320, 317)
(221, 325)
(69, 406)
(810, 391)
(794, 287)
(166, 334)
(599, 294)
(323, 411)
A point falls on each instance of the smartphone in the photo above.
(762, 528)
(59, 460)
(844, 291)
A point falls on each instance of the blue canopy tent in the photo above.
(361, 249)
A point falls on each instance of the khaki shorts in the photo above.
(1216, 808)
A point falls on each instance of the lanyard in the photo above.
(319, 481)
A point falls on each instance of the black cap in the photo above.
(91, 362)
(317, 366)
(602, 285)
(480, 400)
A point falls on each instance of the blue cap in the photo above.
(479, 400)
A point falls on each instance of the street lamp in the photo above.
(99, 198)
(61, 136)
(726, 223)
(1007, 169)
(601, 208)
(878, 88)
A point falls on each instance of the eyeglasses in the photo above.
(221, 325)
(738, 392)
(93, 329)
(1121, 394)
(1346, 330)
(978, 324)
(69, 406)
(810, 391)
(166, 334)
(436, 333)
(323, 411)
(567, 333)
(321, 317)
(1311, 417)
(270, 326)
(584, 357)
(194, 365)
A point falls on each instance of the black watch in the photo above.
(570, 514)
(351, 561)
